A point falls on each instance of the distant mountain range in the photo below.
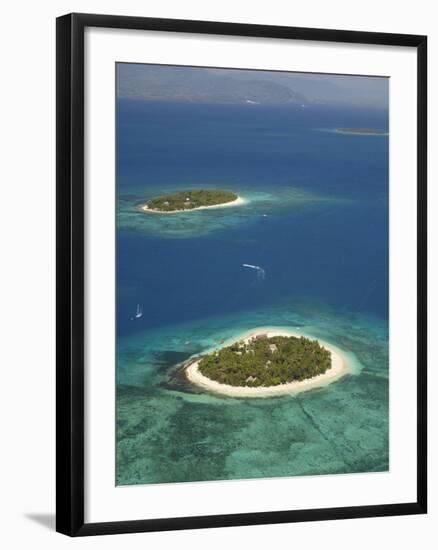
(189, 84)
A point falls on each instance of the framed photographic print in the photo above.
(241, 267)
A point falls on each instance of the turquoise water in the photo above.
(316, 221)
(169, 431)
(258, 205)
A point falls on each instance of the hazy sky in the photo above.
(204, 84)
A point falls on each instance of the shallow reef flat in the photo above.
(169, 431)
(254, 207)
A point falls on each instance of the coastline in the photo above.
(237, 202)
(340, 367)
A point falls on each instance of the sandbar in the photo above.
(361, 132)
(340, 367)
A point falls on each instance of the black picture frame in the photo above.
(70, 273)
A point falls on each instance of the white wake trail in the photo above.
(260, 271)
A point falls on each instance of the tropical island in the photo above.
(267, 363)
(362, 131)
(184, 201)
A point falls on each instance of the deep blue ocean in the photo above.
(316, 221)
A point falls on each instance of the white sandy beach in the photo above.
(237, 202)
(340, 367)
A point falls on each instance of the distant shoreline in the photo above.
(340, 367)
(237, 202)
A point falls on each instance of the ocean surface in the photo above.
(316, 222)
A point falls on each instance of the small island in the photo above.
(184, 201)
(362, 131)
(267, 363)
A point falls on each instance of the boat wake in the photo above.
(261, 273)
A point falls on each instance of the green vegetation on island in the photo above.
(362, 131)
(188, 200)
(264, 361)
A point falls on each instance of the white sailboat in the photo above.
(139, 312)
